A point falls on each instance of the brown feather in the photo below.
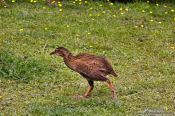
(89, 66)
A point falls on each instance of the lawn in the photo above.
(137, 38)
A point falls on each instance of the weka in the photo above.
(91, 67)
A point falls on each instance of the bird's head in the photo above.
(60, 51)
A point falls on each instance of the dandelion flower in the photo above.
(44, 7)
(157, 4)
(143, 11)
(151, 20)
(166, 12)
(121, 9)
(89, 33)
(174, 18)
(60, 10)
(90, 14)
(60, 5)
(13, 0)
(147, 1)
(85, 2)
(141, 26)
(91, 8)
(121, 13)
(34, 1)
(172, 10)
(67, 26)
(21, 30)
(150, 12)
(100, 5)
(31, 1)
(165, 6)
(114, 15)
(160, 22)
(80, 3)
(74, 2)
(111, 4)
(90, 46)
(136, 26)
(45, 28)
(126, 9)
(98, 15)
(103, 12)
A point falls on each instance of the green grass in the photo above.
(141, 51)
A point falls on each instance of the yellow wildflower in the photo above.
(13, 0)
(103, 12)
(111, 4)
(157, 4)
(150, 12)
(85, 2)
(166, 12)
(172, 10)
(143, 10)
(60, 10)
(21, 30)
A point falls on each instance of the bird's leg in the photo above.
(112, 88)
(91, 86)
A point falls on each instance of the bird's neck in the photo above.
(68, 60)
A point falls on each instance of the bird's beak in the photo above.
(52, 53)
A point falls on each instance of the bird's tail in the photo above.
(113, 73)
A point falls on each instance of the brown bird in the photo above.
(91, 67)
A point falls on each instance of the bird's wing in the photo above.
(92, 70)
